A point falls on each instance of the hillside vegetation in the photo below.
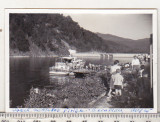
(50, 34)
(54, 34)
(127, 45)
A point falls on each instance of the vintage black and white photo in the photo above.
(81, 60)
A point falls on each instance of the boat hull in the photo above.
(58, 73)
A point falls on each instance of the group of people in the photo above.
(117, 79)
(138, 66)
(93, 67)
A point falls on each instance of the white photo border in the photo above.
(82, 110)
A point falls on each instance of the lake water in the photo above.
(27, 72)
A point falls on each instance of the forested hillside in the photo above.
(127, 45)
(54, 34)
(49, 34)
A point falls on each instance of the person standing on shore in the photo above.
(143, 83)
(135, 66)
(113, 72)
(135, 63)
(118, 82)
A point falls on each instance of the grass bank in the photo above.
(76, 93)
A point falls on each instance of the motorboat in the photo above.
(66, 66)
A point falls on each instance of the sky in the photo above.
(133, 26)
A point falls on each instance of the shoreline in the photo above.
(108, 55)
(86, 54)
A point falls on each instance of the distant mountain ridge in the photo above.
(140, 45)
(55, 34)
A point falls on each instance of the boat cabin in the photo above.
(68, 63)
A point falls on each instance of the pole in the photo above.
(151, 61)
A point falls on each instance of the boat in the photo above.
(66, 65)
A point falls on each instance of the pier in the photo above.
(106, 55)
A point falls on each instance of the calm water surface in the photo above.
(34, 72)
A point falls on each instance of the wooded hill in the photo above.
(54, 34)
(127, 45)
